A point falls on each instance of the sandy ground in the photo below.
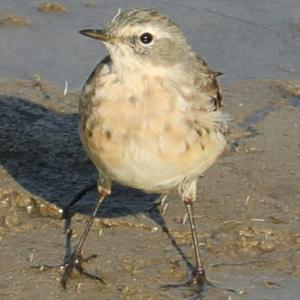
(248, 209)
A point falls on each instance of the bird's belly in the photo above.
(151, 158)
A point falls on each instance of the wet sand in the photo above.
(247, 209)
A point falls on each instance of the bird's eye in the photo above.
(146, 38)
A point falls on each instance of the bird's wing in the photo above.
(106, 61)
(89, 88)
(206, 83)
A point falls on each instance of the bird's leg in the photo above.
(75, 260)
(199, 279)
(187, 190)
(67, 215)
(198, 276)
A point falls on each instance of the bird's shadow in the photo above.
(40, 148)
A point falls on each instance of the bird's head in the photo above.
(142, 37)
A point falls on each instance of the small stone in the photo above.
(154, 229)
(31, 209)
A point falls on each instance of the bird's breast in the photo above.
(145, 139)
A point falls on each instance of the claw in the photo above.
(198, 282)
(74, 262)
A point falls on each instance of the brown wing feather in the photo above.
(217, 101)
(207, 82)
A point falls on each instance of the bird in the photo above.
(151, 116)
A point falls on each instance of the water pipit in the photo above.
(150, 115)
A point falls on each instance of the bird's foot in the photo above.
(198, 282)
(75, 262)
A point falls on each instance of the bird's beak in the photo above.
(98, 34)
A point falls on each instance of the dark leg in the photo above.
(199, 277)
(75, 260)
(67, 215)
(199, 281)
